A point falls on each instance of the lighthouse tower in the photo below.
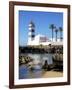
(31, 33)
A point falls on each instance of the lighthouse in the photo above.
(31, 33)
(39, 39)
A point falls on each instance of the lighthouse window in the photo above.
(33, 36)
(32, 30)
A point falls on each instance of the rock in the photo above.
(46, 66)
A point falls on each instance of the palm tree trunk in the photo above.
(60, 36)
(56, 36)
(52, 34)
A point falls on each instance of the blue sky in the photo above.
(42, 21)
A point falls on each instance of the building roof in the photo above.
(40, 35)
(31, 24)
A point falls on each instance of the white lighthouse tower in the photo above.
(31, 33)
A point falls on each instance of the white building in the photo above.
(40, 39)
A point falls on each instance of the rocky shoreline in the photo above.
(57, 62)
(24, 59)
(40, 49)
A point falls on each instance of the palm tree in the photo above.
(60, 29)
(56, 31)
(52, 27)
